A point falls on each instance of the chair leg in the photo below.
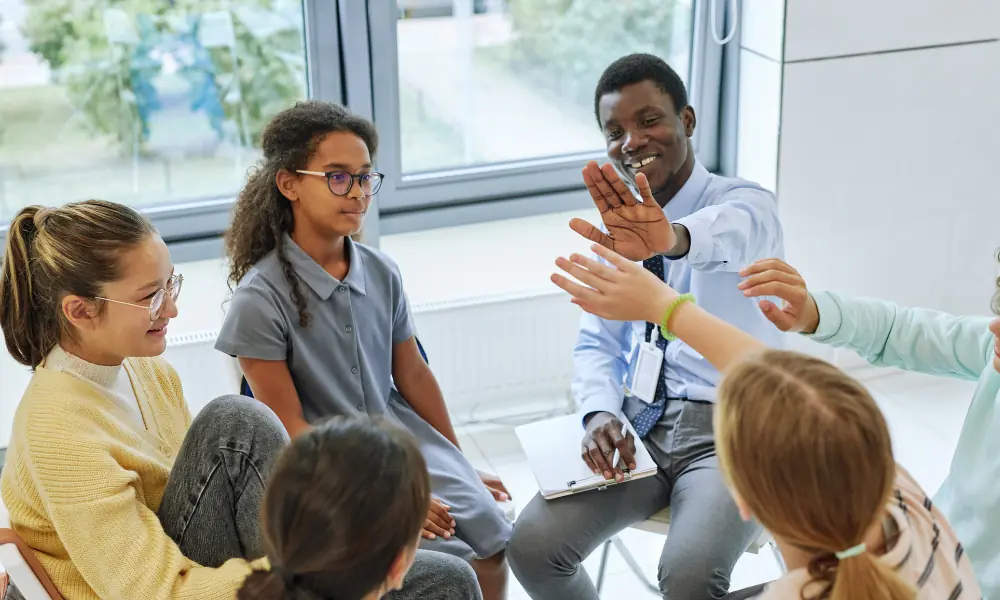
(605, 549)
(633, 565)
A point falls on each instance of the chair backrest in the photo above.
(22, 565)
(245, 386)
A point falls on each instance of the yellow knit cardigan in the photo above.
(83, 483)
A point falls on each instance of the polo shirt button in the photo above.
(354, 370)
(350, 329)
(361, 407)
(341, 289)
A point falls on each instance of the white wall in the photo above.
(889, 147)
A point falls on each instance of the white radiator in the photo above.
(495, 357)
(205, 372)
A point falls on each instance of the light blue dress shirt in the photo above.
(732, 223)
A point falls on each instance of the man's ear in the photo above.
(689, 119)
(286, 181)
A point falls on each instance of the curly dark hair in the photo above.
(636, 68)
(263, 215)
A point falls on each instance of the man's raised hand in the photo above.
(636, 229)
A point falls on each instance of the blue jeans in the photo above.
(211, 505)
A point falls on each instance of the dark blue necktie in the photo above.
(648, 417)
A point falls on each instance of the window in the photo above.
(498, 82)
(479, 100)
(148, 108)
(161, 105)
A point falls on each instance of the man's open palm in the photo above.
(636, 230)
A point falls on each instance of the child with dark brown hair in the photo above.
(342, 518)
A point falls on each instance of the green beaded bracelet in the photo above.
(664, 329)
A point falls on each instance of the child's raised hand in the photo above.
(439, 522)
(621, 291)
(775, 277)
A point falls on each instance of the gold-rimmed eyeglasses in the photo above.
(156, 303)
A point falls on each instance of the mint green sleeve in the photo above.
(913, 339)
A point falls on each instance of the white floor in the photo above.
(925, 415)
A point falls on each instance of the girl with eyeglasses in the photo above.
(118, 492)
(321, 324)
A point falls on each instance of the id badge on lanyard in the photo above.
(648, 366)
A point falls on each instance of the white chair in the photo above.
(660, 524)
(22, 565)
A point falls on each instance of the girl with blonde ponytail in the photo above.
(805, 450)
(796, 428)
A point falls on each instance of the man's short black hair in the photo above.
(636, 68)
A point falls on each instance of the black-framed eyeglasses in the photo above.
(341, 182)
(156, 303)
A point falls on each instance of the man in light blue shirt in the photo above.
(719, 226)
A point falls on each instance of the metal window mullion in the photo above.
(322, 42)
(705, 82)
(371, 81)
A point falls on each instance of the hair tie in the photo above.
(851, 552)
(291, 579)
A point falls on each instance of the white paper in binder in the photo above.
(553, 450)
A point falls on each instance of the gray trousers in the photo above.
(707, 535)
(438, 576)
(211, 504)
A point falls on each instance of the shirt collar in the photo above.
(316, 276)
(685, 201)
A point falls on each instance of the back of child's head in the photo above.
(807, 450)
(344, 503)
(262, 215)
(55, 252)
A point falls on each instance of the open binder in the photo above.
(553, 450)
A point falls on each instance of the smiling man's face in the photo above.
(645, 133)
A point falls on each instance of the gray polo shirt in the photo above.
(342, 362)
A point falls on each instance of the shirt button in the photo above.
(341, 289)
(354, 370)
(361, 407)
(350, 329)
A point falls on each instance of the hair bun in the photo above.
(42, 215)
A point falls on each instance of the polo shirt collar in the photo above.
(316, 276)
